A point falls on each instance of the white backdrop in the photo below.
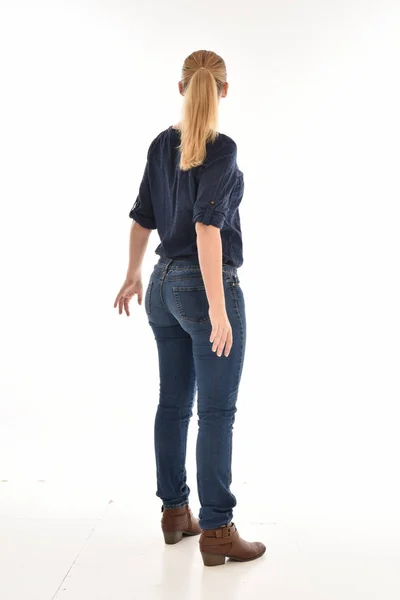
(313, 106)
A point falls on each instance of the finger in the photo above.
(217, 340)
(229, 342)
(126, 306)
(121, 302)
(213, 333)
(222, 344)
(139, 297)
(116, 301)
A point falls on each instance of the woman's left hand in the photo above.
(126, 293)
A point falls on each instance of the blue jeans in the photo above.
(177, 309)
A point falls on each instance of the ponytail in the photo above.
(199, 124)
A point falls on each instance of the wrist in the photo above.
(218, 306)
(133, 275)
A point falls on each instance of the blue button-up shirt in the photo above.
(172, 201)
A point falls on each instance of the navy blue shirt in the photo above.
(172, 201)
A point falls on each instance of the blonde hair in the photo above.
(203, 76)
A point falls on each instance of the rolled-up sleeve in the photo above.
(216, 183)
(142, 210)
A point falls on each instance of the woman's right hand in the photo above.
(221, 334)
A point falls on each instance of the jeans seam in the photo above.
(147, 299)
(241, 331)
(162, 278)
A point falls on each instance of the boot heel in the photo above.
(172, 537)
(213, 560)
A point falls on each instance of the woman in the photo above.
(190, 192)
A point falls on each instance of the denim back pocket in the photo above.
(147, 298)
(192, 303)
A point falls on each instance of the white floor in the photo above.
(72, 541)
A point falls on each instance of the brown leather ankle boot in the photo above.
(177, 522)
(225, 542)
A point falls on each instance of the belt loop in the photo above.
(169, 261)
